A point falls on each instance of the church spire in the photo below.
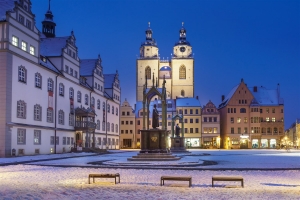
(49, 24)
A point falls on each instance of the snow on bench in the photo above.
(228, 178)
(176, 178)
(104, 176)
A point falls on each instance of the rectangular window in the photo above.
(245, 119)
(169, 123)
(131, 122)
(232, 130)
(67, 69)
(215, 119)
(245, 130)
(68, 140)
(21, 19)
(273, 119)
(72, 141)
(15, 41)
(197, 120)
(64, 140)
(238, 120)
(185, 130)
(215, 130)
(185, 121)
(52, 140)
(267, 110)
(191, 130)
(196, 130)
(273, 110)
(49, 115)
(24, 46)
(28, 24)
(75, 74)
(71, 71)
(37, 137)
(197, 112)
(205, 130)
(138, 122)
(191, 121)
(32, 50)
(228, 110)
(232, 120)
(205, 119)
(57, 140)
(239, 130)
(267, 119)
(185, 111)
(210, 119)
(191, 111)
(21, 136)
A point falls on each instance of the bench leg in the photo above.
(242, 183)
(89, 181)
(93, 179)
(212, 183)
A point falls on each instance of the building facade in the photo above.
(128, 136)
(210, 126)
(251, 117)
(51, 100)
(292, 135)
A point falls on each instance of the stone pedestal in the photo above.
(154, 140)
(177, 145)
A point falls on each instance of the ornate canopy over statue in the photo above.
(148, 94)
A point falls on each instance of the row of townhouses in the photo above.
(51, 101)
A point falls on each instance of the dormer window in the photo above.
(21, 19)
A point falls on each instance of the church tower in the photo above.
(48, 24)
(147, 64)
(182, 64)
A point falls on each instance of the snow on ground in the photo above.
(50, 182)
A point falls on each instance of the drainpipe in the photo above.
(55, 113)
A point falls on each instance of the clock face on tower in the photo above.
(182, 49)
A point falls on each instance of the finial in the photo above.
(99, 56)
(182, 23)
(149, 24)
(49, 4)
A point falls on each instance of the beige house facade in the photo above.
(128, 135)
(251, 117)
(210, 126)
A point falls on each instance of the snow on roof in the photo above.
(5, 5)
(165, 68)
(48, 65)
(139, 106)
(87, 66)
(187, 102)
(265, 96)
(53, 46)
(109, 80)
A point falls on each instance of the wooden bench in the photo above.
(104, 176)
(176, 178)
(227, 178)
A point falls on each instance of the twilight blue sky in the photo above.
(257, 40)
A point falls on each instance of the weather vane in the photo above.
(149, 24)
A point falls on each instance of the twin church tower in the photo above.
(178, 71)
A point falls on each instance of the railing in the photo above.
(85, 124)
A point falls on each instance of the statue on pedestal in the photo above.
(177, 130)
(155, 117)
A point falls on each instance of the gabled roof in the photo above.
(266, 97)
(48, 64)
(87, 66)
(53, 46)
(6, 5)
(228, 97)
(187, 102)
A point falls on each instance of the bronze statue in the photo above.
(155, 117)
(177, 131)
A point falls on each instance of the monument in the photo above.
(177, 141)
(154, 142)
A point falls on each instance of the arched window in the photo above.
(108, 108)
(61, 117)
(22, 74)
(79, 96)
(182, 93)
(71, 93)
(61, 89)
(37, 112)
(117, 111)
(243, 110)
(98, 104)
(49, 115)
(50, 84)
(148, 73)
(38, 80)
(112, 127)
(116, 128)
(86, 99)
(103, 105)
(21, 109)
(182, 72)
(98, 124)
(103, 126)
(112, 110)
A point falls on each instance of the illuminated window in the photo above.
(32, 50)
(267, 119)
(245, 119)
(238, 120)
(15, 41)
(182, 72)
(148, 72)
(24, 46)
(37, 137)
(273, 119)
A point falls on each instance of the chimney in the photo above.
(255, 89)
(197, 97)
(242, 80)
(223, 97)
